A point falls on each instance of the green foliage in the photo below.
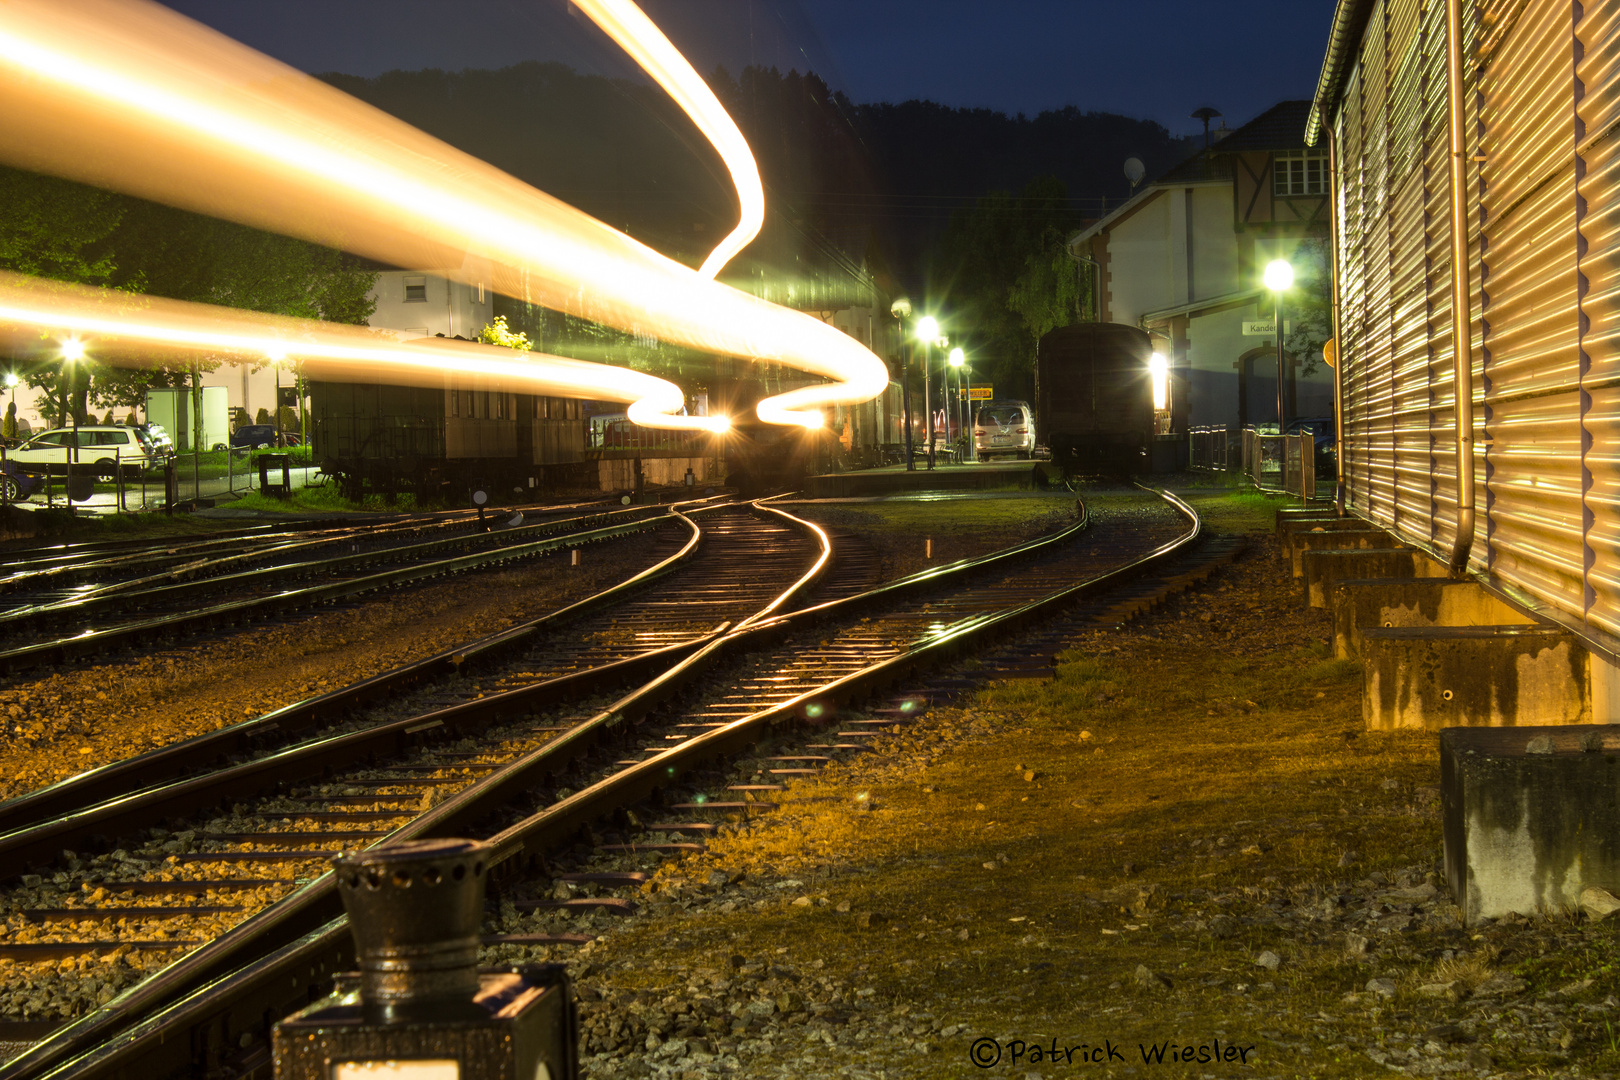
(496, 333)
(1008, 277)
(55, 228)
(1309, 307)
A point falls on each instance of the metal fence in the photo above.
(179, 481)
(1282, 463)
(1209, 448)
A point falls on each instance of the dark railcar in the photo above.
(435, 441)
(1094, 398)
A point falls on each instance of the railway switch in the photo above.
(421, 1009)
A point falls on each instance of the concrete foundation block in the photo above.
(1325, 568)
(1289, 514)
(1472, 676)
(1419, 601)
(1296, 542)
(1531, 818)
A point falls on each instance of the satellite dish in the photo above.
(1134, 171)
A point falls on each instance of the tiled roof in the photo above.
(1281, 127)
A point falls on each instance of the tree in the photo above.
(496, 333)
(187, 256)
(1308, 307)
(1006, 276)
(57, 229)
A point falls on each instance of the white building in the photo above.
(1183, 257)
(420, 304)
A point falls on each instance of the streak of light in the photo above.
(129, 95)
(150, 330)
(636, 34)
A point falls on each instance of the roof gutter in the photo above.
(1461, 313)
(1343, 46)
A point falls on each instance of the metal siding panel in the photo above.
(1352, 291)
(1414, 510)
(1598, 113)
(1532, 372)
(1378, 368)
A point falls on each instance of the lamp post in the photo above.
(957, 361)
(277, 358)
(901, 310)
(72, 353)
(11, 384)
(1279, 278)
(928, 330)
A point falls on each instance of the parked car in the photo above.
(1325, 438)
(261, 437)
(17, 483)
(102, 448)
(1004, 427)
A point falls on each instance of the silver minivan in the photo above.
(1004, 427)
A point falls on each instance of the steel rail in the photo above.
(179, 580)
(58, 559)
(304, 911)
(239, 1003)
(64, 650)
(80, 793)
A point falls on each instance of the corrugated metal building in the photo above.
(1537, 108)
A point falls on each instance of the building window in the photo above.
(416, 290)
(1300, 172)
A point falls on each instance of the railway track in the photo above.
(56, 569)
(717, 694)
(236, 587)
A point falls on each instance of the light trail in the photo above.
(151, 329)
(637, 35)
(128, 95)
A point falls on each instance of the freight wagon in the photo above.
(1102, 404)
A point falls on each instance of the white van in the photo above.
(1004, 427)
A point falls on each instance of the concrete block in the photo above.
(1324, 568)
(1419, 601)
(1472, 676)
(1289, 514)
(1531, 818)
(1296, 542)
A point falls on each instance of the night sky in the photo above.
(1158, 59)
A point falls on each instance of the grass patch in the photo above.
(327, 499)
(944, 517)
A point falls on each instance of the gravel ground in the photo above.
(64, 722)
(1100, 865)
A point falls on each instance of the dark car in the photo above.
(260, 437)
(18, 483)
(1324, 435)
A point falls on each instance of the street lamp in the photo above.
(957, 359)
(927, 331)
(72, 352)
(277, 358)
(1279, 278)
(901, 310)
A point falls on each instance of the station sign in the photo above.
(1264, 327)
